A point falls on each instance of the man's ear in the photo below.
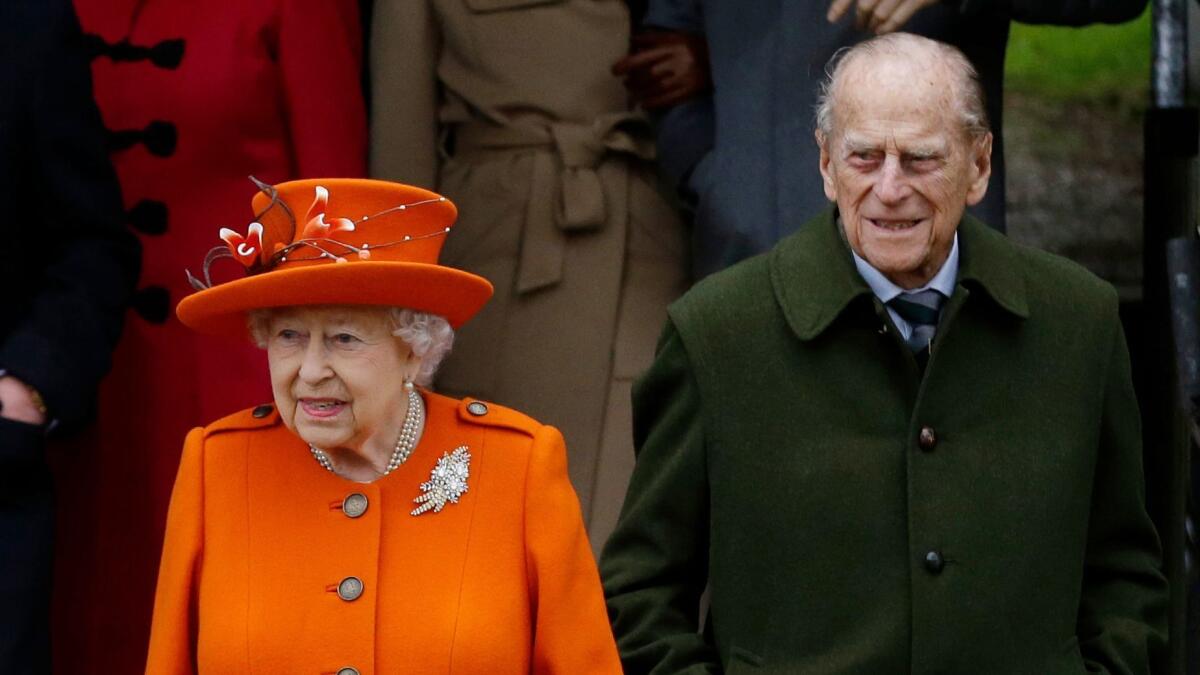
(826, 168)
(981, 169)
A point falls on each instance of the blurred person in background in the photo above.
(68, 268)
(363, 523)
(508, 108)
(195, 97)
(736, 84)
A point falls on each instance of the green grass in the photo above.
(1100, 62)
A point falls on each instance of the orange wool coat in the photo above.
(258, 541)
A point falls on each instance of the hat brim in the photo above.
(451, 293)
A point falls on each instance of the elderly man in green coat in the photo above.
(898, 442)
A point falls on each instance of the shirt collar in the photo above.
(884, 289)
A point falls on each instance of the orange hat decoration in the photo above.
(362, 242)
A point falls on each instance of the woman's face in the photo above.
(338, 375)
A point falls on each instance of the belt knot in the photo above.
(566, 193)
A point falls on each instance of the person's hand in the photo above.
(17, 402)
(665, 68)
(878, 16)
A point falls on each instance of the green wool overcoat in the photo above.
(852, 516)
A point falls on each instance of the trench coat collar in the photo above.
(814, 279)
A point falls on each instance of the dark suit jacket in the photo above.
(67, 266)
(68, 262)
(781, 460)
(745, 155)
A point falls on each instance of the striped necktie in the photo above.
(921, 311)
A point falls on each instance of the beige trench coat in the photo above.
(508, 108)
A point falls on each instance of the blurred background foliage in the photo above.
(1073, 108)
(1098, 63)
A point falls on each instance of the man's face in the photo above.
(900, 167)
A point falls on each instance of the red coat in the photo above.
(269, 88)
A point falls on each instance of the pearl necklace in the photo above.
(406, 442)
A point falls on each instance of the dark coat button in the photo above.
(160, 137)
(148, 217)
(477, 408)
(166, 54)
(262, 411)
(934, 562)
(94, 45)
(354, 505)
(350, 589)
(152, 303)
(927, 439)
(348, 671)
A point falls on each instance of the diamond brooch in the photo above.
(447, 482)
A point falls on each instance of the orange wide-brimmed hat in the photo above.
(336, 241)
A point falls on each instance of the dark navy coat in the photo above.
(67, 268)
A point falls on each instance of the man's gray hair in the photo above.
(968, 94)
(429, 336)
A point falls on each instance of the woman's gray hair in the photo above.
(429, 336)
(968, 94)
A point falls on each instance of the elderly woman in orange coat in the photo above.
(362, 523)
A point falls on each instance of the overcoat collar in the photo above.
(814, 279)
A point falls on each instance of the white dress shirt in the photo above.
(942, 282)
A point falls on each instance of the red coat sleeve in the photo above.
(320, 57)
(571, 630)
(173, 629)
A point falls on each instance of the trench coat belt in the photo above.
(566, 194)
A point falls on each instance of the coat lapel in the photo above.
(813, 276)
(814, 279)
(988, 261)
